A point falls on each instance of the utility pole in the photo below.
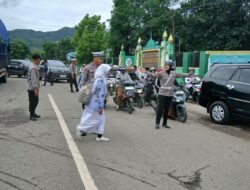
(173, 23)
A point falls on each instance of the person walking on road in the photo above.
(166, 91)
(80, 77)
(48, 77)
(73, 72)
(88, 72)
(34, 86)
(93, 118)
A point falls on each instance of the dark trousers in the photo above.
(163, 109)
(73, 81)
(149, 92)
(33, 101)
(48, 78)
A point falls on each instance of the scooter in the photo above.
(154, 99)
(149, 91)
(193, 86)
(138, 98)
(178, 108)
(128, 95)
(111, 86)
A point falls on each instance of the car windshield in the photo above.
(53, 63)
(26, 63)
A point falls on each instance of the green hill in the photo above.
(35, 39)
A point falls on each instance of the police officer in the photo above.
(48, 75)
(73, 71)
(88, 72)
(34, 86)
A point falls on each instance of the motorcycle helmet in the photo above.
(122, 69)
(152, 69)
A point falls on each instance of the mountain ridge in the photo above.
(35, 39)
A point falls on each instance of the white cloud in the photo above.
(50, 15)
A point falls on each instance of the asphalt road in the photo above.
(195, 155)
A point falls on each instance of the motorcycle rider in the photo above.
(188, 81)
(132, 74)
(166, 91)
(121, 77)
(149, 84)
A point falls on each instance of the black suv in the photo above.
(57, 69)
(225, 92)
(18, 67)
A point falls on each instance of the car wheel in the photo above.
(219, 112)
(19, 76)
(4, 79)
(25, 74)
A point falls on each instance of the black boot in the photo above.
(166, 126)
(32, 118)
(157, 126)
(36, 116)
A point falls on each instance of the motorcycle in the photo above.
(111, 86)
(193, 86)
(178, 108)
(138, 98)
(150, 93)
(154, 99)
(128, 94)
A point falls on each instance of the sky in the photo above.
(50, 15)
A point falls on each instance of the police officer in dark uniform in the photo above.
(34, 86)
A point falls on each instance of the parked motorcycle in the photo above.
(178, 108)
(128, 94)
(139, 99)
(154, 99)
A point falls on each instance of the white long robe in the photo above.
(92, 122)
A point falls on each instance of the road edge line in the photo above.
(85, 175)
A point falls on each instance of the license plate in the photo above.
(62, 76)
(129, 88)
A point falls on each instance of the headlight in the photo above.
(139, 91)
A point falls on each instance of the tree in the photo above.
(58, 50)
(90, 36)
(132, 19)
(64, 46)
(200, 25)
(50, 50)
(216, 25)
(19, 50)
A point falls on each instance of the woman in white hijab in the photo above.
(93, 118)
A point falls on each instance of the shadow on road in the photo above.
(236, 127)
